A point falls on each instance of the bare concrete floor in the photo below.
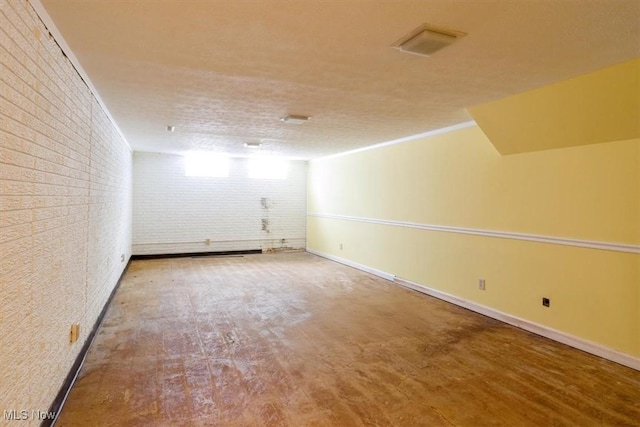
(296, 340)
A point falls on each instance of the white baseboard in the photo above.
(562, 337)
(362, 267)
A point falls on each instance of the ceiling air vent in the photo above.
(427, 39)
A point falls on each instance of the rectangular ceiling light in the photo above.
(427, 39)
(295, 119)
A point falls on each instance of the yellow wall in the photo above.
(458, 179)
(602, 106)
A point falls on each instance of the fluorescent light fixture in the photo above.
(268, 168)
(295, 119)
(252, 144)
(206, 164)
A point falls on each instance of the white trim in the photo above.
(212, 242)
(57, 35)
(404, 139)
(591, 244)
(553, 334)
(355, 265)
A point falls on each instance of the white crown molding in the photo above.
(553, 334)
(57, 35)
(401, 140)
(591, 244)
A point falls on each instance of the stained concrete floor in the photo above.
(296, 340)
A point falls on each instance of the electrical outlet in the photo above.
(122, 258)
(546, 302)
(481, 284)
(74, 333)
(340, 246)
(207, 241)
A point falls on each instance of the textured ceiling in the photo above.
(225, 71)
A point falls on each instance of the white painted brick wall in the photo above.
(173, 213)
(65, 211)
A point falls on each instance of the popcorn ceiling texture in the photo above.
(225, 71)
(65, 211)
(173, 213)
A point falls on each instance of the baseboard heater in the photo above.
(196, 254)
